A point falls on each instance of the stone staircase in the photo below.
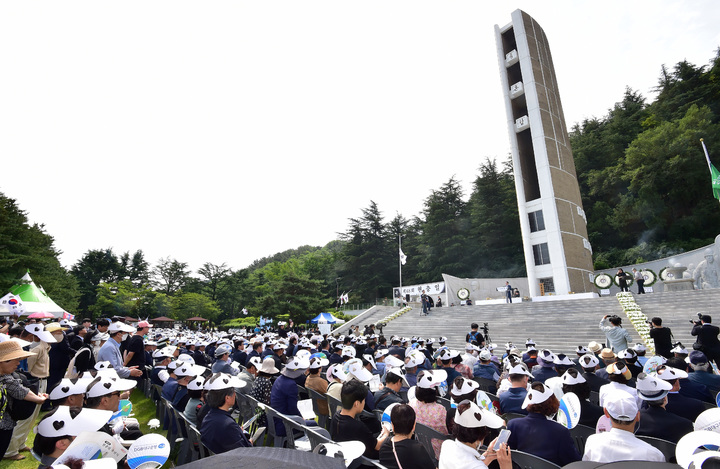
(371, 316)
(558, 325)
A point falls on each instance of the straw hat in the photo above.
(54, 327)
(11, 350)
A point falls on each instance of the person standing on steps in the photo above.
(640, 280)
(662, 337)
(508, 292)
(622, 280)
(424, 300)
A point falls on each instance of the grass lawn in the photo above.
(143, 408)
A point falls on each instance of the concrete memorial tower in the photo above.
(558, 254)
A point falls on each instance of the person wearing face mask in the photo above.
(111, 350)
(98, 341)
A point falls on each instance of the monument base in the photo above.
(681, 284)
(574, 296)
(497, 302)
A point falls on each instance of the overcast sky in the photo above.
(227, 131)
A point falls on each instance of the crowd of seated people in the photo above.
(201, 374)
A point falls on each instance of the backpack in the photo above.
(20, 409)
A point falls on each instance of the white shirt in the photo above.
(469, 360)
(612, 386)
(619, 445)
(456, 455)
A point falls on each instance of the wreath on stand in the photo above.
(603, 281)
(650, 277)
(463, 294)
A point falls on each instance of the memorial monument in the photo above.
(558, 255)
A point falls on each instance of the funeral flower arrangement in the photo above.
(603, 281)
(394, 315)
(638, 319)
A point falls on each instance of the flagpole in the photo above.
(400, 261)
(707, 157)
(714, 176)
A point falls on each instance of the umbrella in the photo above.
(41, 315)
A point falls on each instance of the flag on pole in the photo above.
(403, 257)
(345, 298)
(714, 173)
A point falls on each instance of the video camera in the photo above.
(697, 321)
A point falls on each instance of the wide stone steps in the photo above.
(371, 316)
(558, 325)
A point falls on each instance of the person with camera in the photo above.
(616, 335)
(707, 338)
(662, 337)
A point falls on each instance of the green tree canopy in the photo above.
(27, 247)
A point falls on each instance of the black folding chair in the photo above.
(245, 406)
(334, 405)
(172, 433)
(184, 456)
(579, 434)
(529, 461)
(425, 435)
(157, 396)
(203, 451)
(507, 416)
(278, 440)
(667, 448)
(445, 403)
(486, 385)
(323, 420)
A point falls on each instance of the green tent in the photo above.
(26, 298)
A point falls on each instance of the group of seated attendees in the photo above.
(201, 373)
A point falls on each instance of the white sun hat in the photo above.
(415, 358)
(189, 370)
(118, 326)
(355, 368)
(104, 385)
(467, 386)
(67, 387)
(537, 396)
(62, 423)
(431, 378)
(475, 417)
(196, 384)
(397, 371)
(223, 381)
(336, 372)
(38, 330)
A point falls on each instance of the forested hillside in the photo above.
(643, 177)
